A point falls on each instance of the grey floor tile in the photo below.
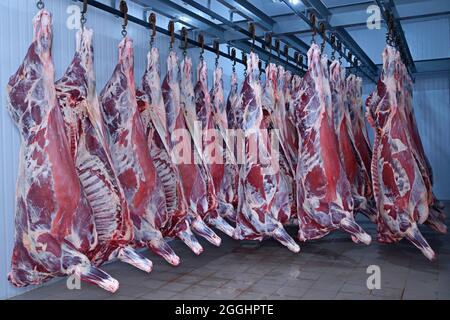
(187, 296)
(213, 282)
(157, 295)
(354, 289)
(175, 286)
(388, 293)
(296, 292)
(319, 295)
(190, 279)
(197, 289)
(352, 296)
(238, 285)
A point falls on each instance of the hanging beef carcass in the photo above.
(182, 152)
(352, 163)
(153, 115)
(273, 106)
(131, 157)
(288, 142)
(224, 178)
(436, 217)
(359, 130)
(55, 231)
(232, 167)
(399, 189)
(324, 196)
(85, 131)
(213, 168)
(358, 124)
(256, 215)
(289, 131)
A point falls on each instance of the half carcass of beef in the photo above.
(153, 114)
(186, 157)
(225, 166)
(211, 150)
(352, 163)
(273, 120)
(232, 167)
(324, 195)
(131, 157)
(399, 189)
(289, 130)
(256, 215)
(85, 131)
(288, 142)
(55, 232)
(436, 217)
(359, 129)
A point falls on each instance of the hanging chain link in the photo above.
(333, 45)
(185, 43)
(233, 55)
(124, 10)
(171, 29)
(40, 4)
(244, 61)
(314, 31)
(83, 19)
(216, 48)
(322, 33)
(152, 22)
(201, 40)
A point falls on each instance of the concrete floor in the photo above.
(330, 268)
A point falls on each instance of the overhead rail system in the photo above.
(275, 40)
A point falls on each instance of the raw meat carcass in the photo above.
(258, 182)
(232, 169)
(224, 169)
(211, 156)
(289, 131)
(359, 130)
(183, 154)
(55, 230)
(153, 114)
(436, 217)
(352, 164)
(399, 189)
(131, 157)
(85, 131)
(274, 111)
(324, 196)
(288, 140)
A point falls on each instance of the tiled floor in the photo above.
(330, 268)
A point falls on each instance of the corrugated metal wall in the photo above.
(431, 95)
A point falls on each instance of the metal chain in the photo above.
(83, 14)
(40, 4)
(124, 10)
(152, 22)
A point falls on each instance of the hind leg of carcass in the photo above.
(189, 239)
(132, 257)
